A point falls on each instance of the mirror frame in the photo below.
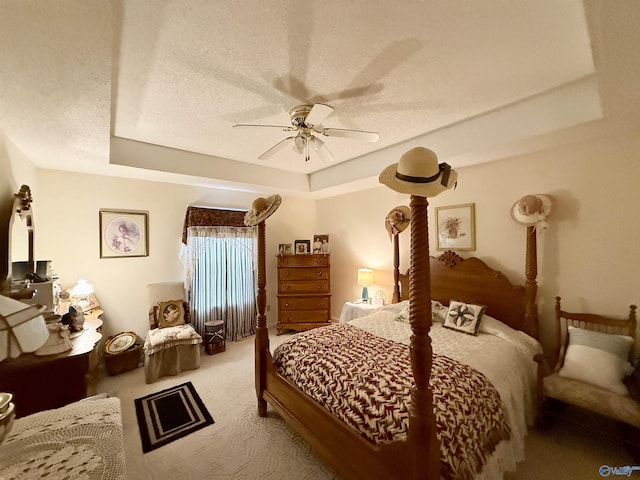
(21, 208)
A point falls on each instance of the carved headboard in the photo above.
(470, 280)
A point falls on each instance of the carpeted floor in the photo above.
(241, 445)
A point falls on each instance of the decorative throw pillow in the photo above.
(464, 317)
(597, 358)
(170, 313)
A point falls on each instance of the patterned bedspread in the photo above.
(365, 381)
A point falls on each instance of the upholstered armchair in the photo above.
(592, 366)
(171, 345)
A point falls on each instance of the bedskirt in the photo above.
(171, 361)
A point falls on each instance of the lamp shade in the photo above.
(365, 277)
(22, 328)
(82, 289)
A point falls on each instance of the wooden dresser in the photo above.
(304, 292)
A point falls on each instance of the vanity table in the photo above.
(52, 381)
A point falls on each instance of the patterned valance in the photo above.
(210, 217)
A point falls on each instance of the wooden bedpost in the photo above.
(262, 334)
(396, 269)
(423, 444)
(531, 286)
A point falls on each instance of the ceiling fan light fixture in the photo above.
(306, 121)
(299, 143)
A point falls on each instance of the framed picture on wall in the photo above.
(302, 247)
(456, 227)
(124, 233)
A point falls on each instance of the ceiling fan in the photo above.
(306, 121)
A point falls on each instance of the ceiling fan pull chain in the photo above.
(306, 149)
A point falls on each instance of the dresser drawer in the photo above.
(303, 260)
(318, 286)
(303, 303)
(289, 274)
(303, 316)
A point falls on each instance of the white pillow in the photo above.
(396, 307)
(464, 317)
(597, 358)
(438, 312)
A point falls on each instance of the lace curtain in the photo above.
(220, 276)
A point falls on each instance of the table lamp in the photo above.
(22, 328)
(365, 278)
(81, 292)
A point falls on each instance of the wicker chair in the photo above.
(587, 386)
(171, 345)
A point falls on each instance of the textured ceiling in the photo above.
(152, 88)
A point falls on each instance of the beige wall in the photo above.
(66, 209)
(589, 255)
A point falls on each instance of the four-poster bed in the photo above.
(416, 451)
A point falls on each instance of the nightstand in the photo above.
(351, 310)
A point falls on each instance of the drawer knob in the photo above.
(319, 287)
(320, 274)
(286, 274)
(290, 318)
(286, 287)
(286, 304)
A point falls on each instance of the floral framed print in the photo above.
(456, 227)
(124, 233)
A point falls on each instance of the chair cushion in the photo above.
(597, 358)
(162, 338)
(596, 399)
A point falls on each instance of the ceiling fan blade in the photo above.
(318, 113)
(322, 150)
(355, 134)
(284, 128)
(275, 149)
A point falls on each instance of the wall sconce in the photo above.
(22, 328)
(365, 278)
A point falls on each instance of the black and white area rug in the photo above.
(170, 414)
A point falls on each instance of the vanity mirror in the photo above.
(20, 244)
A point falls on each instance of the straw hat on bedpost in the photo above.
(418, 173)
(261, 209)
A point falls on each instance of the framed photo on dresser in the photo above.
(285, 249)
(302, 247)
(321, 244)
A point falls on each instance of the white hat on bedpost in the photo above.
(532, 210)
